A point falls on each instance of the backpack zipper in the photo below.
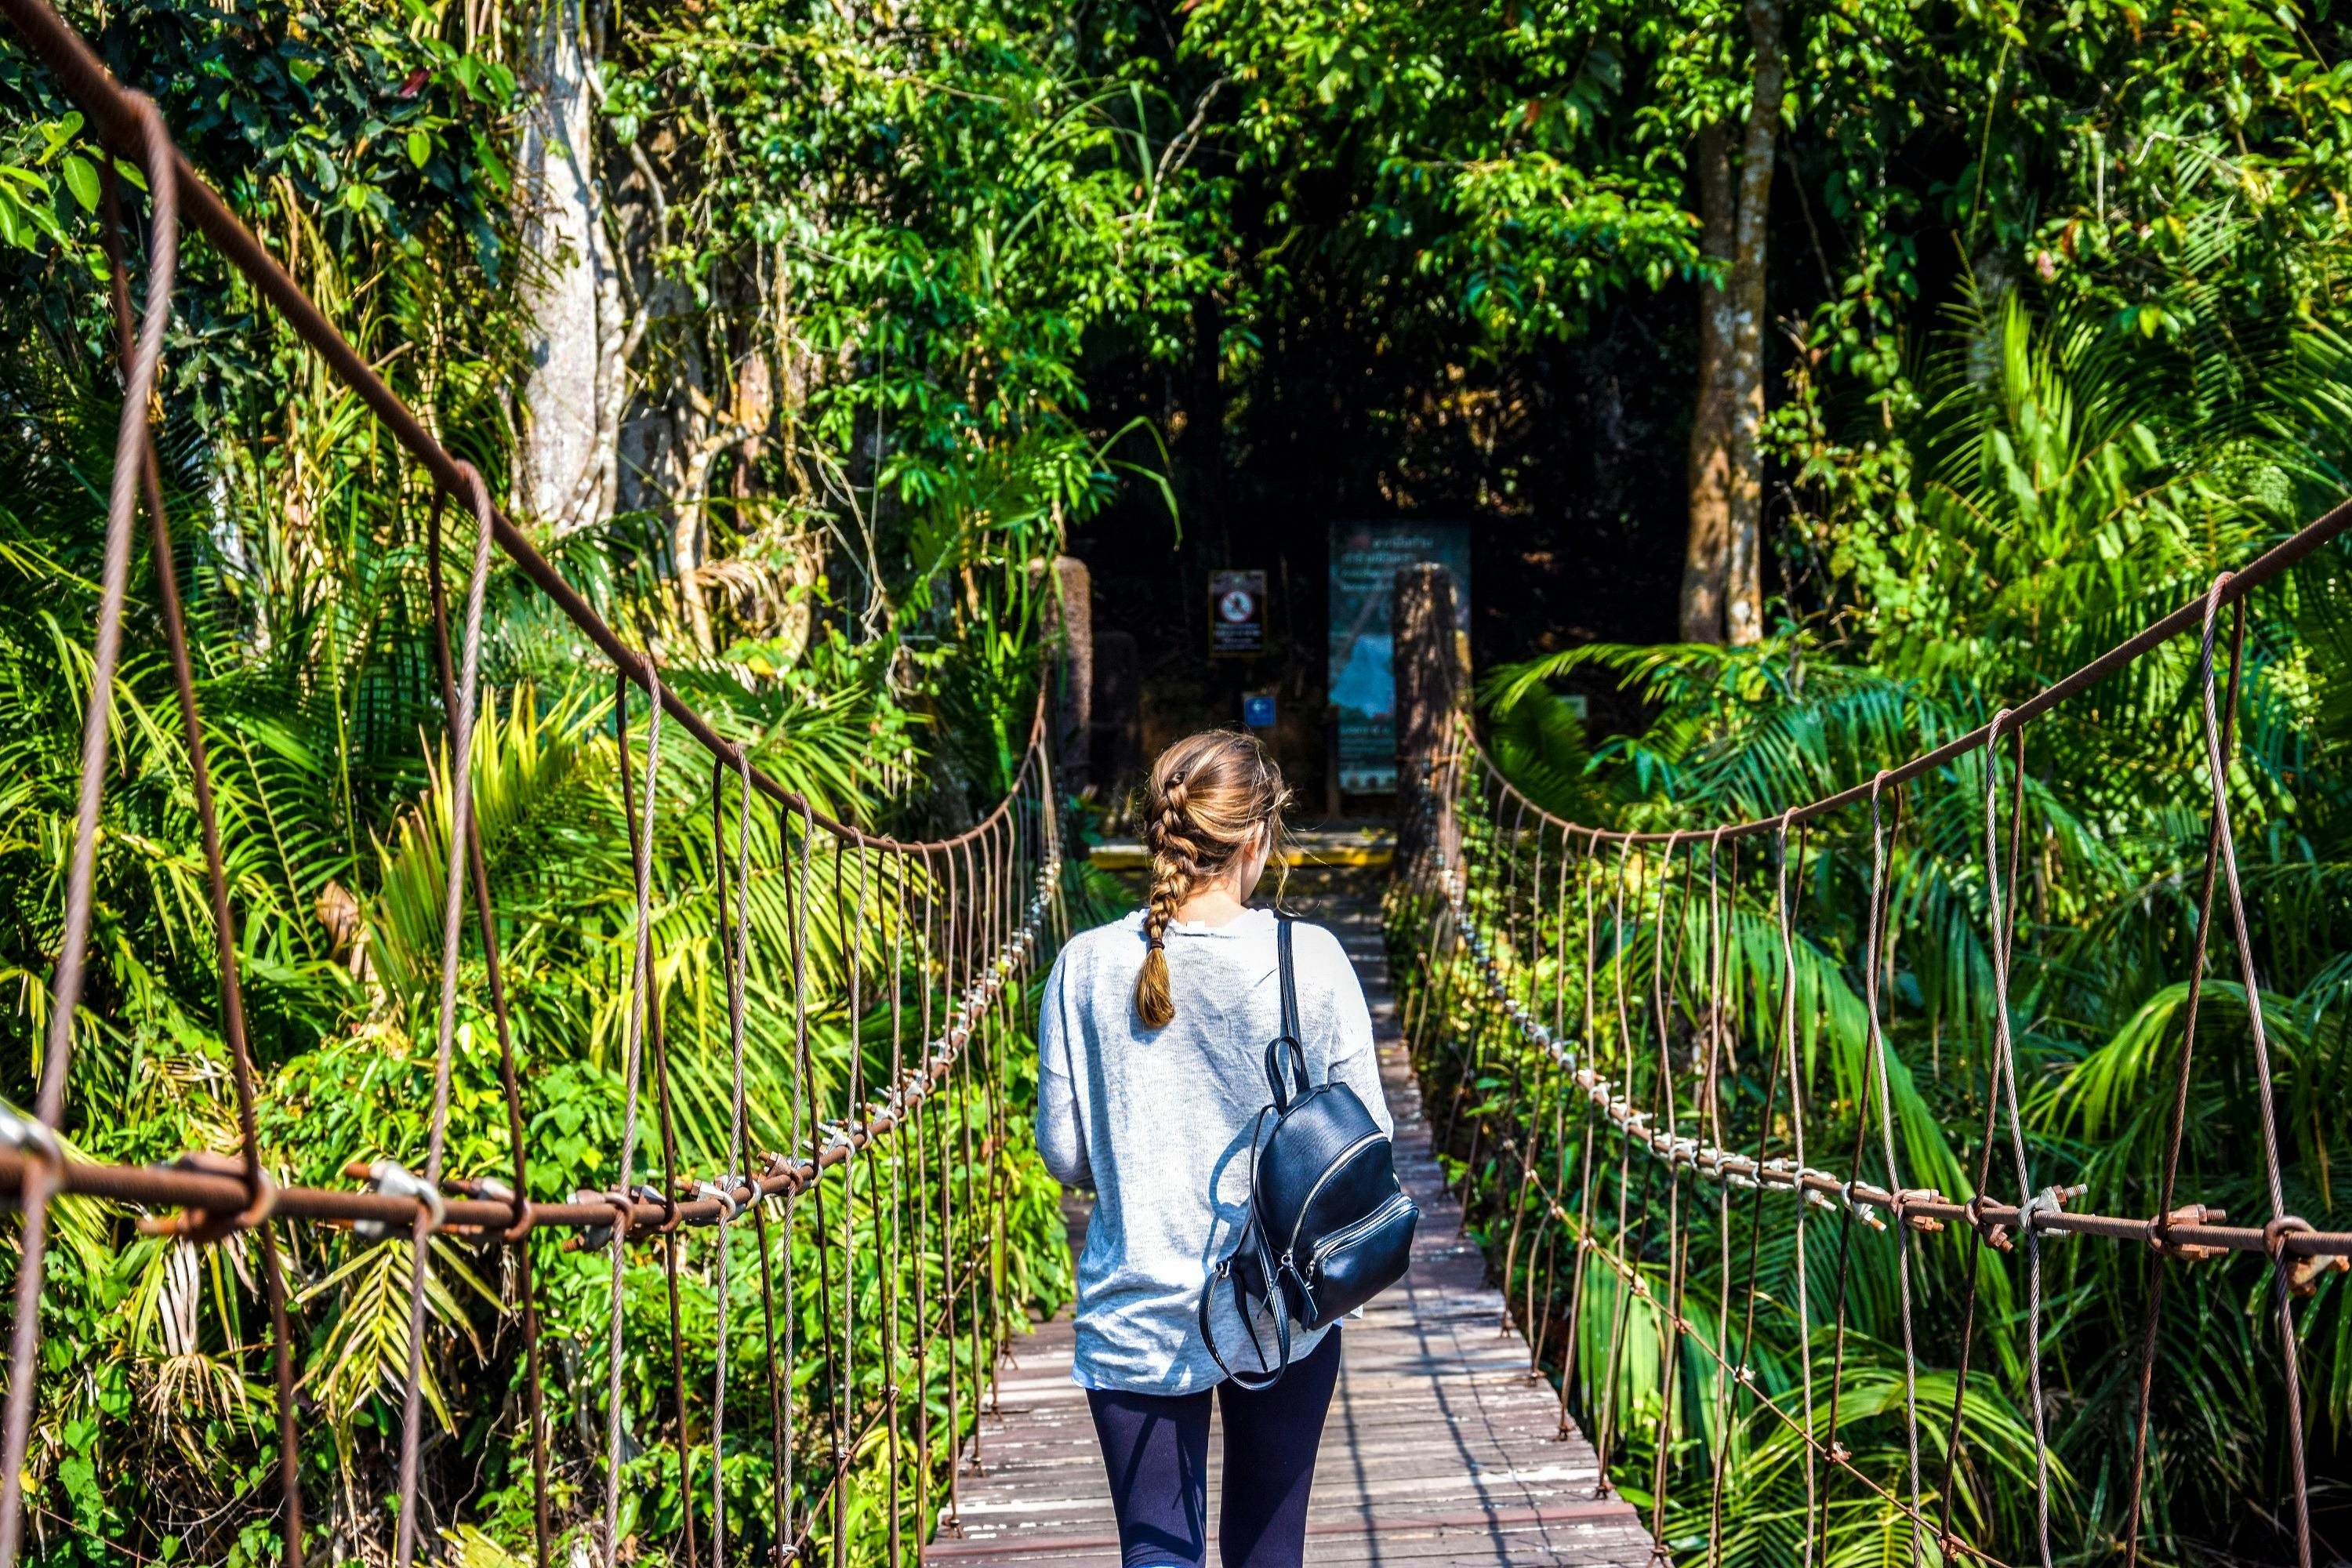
(1342, 1238)
(1350, 1152)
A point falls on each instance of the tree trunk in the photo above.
(1744, 375)
(1705, 561)
(565, 465)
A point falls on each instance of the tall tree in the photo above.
(1706, 553)
(565, 463)
(1723, 584)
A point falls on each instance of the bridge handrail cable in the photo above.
(1480, 918)
(989, 898)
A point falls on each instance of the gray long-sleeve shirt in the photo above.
(1159, 1123)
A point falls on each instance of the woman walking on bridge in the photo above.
(1153, 1086)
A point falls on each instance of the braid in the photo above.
(1174, 866)
(1212, 796)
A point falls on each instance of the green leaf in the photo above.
(82, 179)
(420, 148)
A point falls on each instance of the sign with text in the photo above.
(1365, 559)
(1257, 711)
(1236, 614)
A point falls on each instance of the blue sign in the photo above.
(1257, 712)
(1365, 558)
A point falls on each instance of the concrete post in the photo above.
(1070, 610)
(1429, 689)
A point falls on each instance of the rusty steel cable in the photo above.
(734, 953)
(1491, 925)
(2004, 1067)
(33, 1171)
(453, 905)
(2178, 1125)
(2281, 1223)
(221, 1199)
(1795, 1074)
(1880, 960)
(1989, 1217)
(517, 1235)
(38, 1154)
(259, 1189)
(1633, 1285)
(623, 1195)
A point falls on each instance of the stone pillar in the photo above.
(1070, 612)
(1429, 689)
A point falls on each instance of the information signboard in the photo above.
(1236, 614)
(1365, 559)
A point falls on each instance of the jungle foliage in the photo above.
(2069, 486)
(2053, 294)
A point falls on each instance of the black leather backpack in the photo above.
(1328, 1228)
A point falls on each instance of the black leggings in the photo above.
(1156, 1446)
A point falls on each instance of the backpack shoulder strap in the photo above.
(1286, 1046)
(1283, 926)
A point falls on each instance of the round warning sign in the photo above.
(1236, 614)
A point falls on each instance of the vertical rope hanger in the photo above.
(1667, 1378)
(2005, 1070)
(927, 1117)
(1587, 873)
(640, 1000)
(856, 948)
(966, 922)
(1797, 1151)
(1471, 1055)
(734, 953)
(518, 1235)
(671, 1242)
(1529, 1137)
(1982, 1237)
(1680, 1220)
(950, 1285)
(2281, 1223)
(788, 1541)
(1786, 891)
(1540, 1318)
(453, 908)
(1717, 990)
(1621, 1299)
(2161, 1246)
(1882, 871)
(1471, 1052)
(261, 1193)
(891, 1302)
(1876, 940)
(39, 1140)
(991, 1064)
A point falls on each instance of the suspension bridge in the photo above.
(1602, 1101)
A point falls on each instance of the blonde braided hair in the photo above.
(1210, 796)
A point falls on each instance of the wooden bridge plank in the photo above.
(1442, 1451)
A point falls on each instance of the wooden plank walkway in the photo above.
(1441, 1449)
